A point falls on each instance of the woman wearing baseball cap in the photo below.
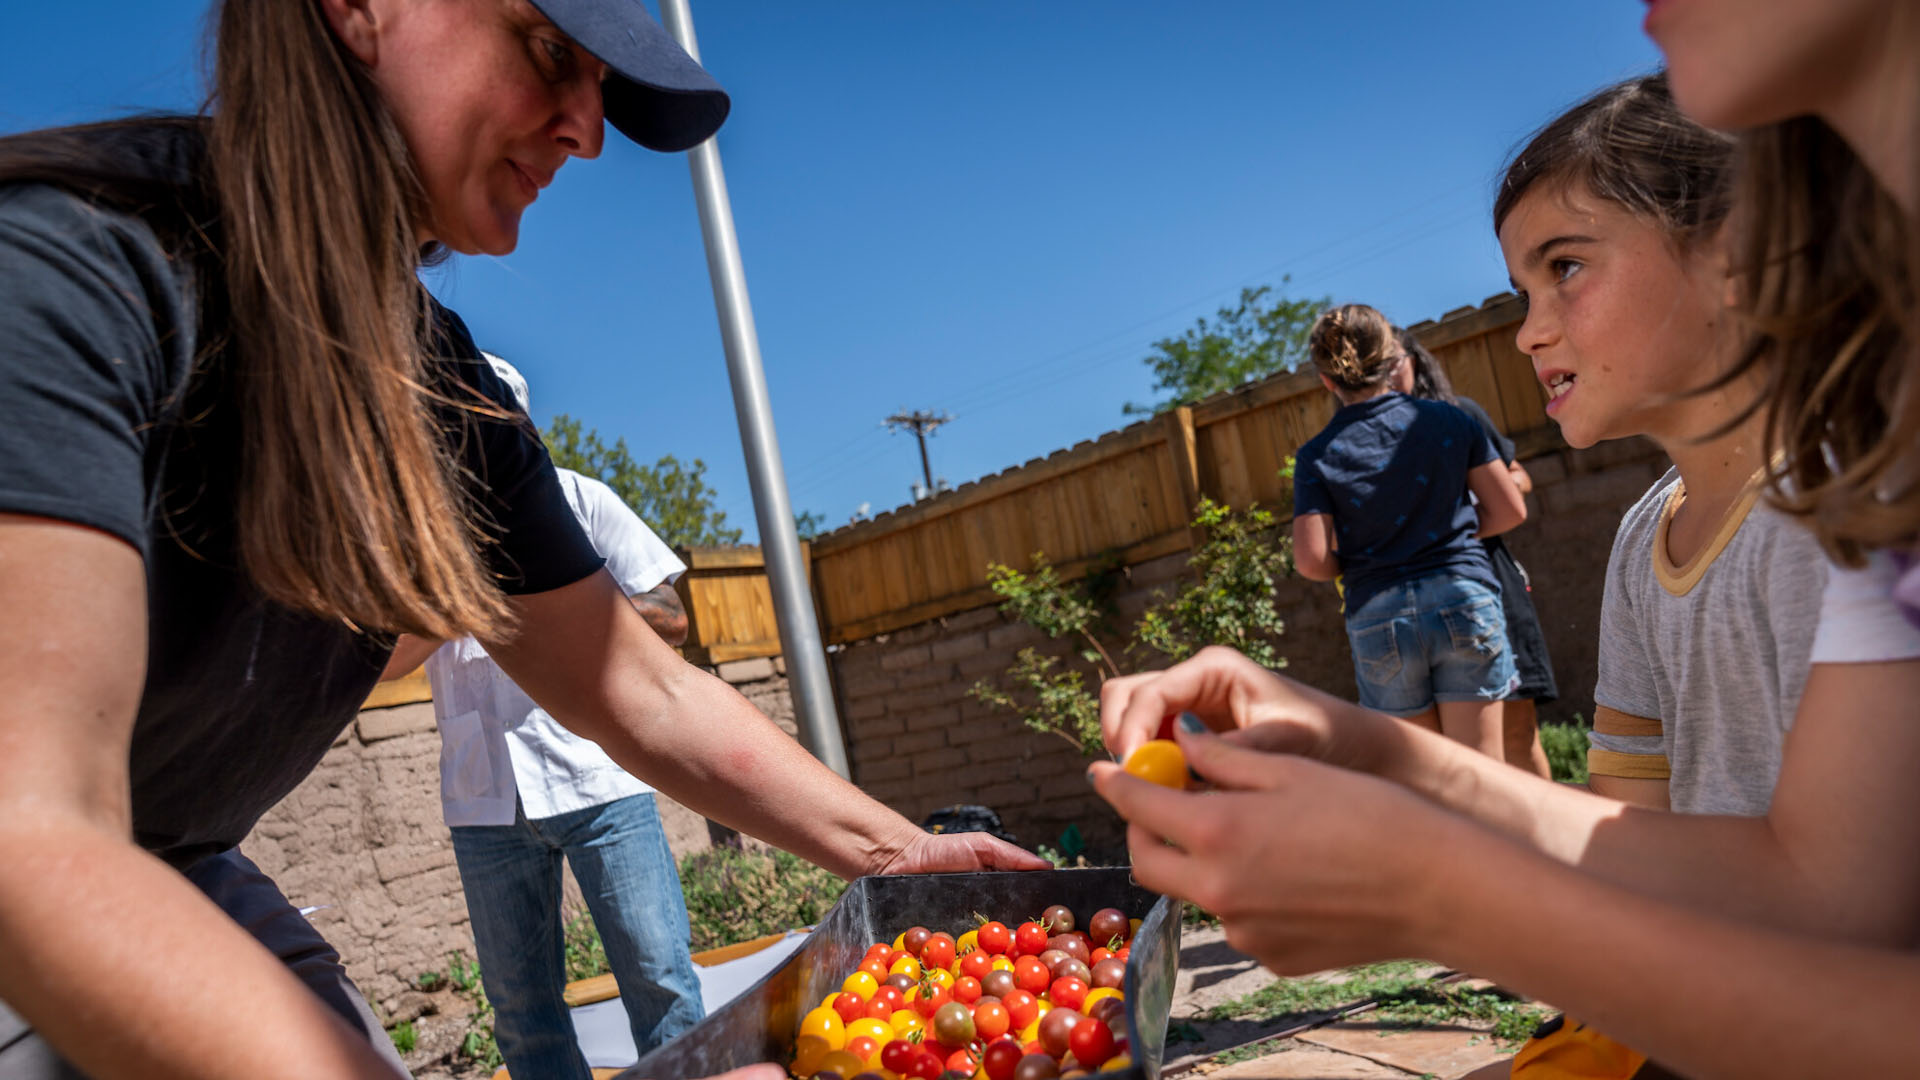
(241, 449)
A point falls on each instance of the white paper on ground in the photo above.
(605, 1036)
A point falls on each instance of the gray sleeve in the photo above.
(1625, 683)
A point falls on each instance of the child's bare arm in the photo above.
(1501, 505)
(1313, 546)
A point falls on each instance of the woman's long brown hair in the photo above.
(1825, 265)
(349, 505)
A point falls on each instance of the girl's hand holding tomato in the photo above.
(1359, 872)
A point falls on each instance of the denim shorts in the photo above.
(1436, 638)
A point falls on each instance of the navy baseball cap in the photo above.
(655, 93)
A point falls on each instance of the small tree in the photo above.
(1227, 600)
(1264, 334)
(671, 497)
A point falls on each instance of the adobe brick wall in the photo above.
(362, 837)
(917, 742)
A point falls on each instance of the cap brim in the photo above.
(655, 93)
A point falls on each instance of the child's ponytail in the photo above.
(1354, 345)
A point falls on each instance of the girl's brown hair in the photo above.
(1824, 265)
(1632, 146)
(1354, 345)
(348, 502)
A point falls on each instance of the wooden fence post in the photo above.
(1185, 449)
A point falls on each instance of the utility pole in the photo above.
(921, 423)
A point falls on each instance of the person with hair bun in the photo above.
(1422, 377)
(1380, 500)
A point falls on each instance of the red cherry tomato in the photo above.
(963, 1062)
(991, 1019)
(1067, 993)
(862, 1047)
(897, 1056)
(926, 1065)
(1099, 954)
(937, 952)
(1030, 939)
(995, 939)
(1091, 1044)
(1022, 1008)
(1123, 952)
(877, 1009)
(966, 990)
(895, 956)
(876, 967)
(1033, 1047)
(878, 951)
(1032, 975)
(892, 996)
(932, 996)
(1000, 1058)
(976, 963)
(850, 1006)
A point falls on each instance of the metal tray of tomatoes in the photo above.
(762, 1024)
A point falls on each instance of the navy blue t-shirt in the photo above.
(1392, 470)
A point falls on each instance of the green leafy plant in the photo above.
(1226, 600)
(736, 895)
(586, 955)
(477, 1045)
(1405, 994)
(1566, 747)
(404, 1037)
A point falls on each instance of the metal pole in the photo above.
(819, 722)
(926, 470)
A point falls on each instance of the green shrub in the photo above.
(735, 895)
(1566, 747)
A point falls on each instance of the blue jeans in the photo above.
(619, 855)
(1435, 638)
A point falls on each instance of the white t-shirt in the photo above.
(495, 743)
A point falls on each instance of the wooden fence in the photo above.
(1128, 494)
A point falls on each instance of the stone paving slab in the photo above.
(1442, 1051)
(1301, 1061)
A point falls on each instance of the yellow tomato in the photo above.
(905, 1021)
(877, 1030)
(843, 1063)
(827, 1024)
(941, 977)
(1094, 995)
(861, 983)
(808, 1052)
(900, 942)
(1116, 1063)
(1030, 1032)
(1159, 761)
(907, 966)
(1133, 927)
(1001, 963)
(966, 943)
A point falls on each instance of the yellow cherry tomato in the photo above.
(862, 983)
(941, 977)
(907, 966)
(1159, 761)
(1030, 1032)
(900, 942)
(1094, 995)
(1001, 963)
(966, 943)
(1133, 927)
(844, 1063)
(808, 1052)
(905, 1022)
(877, 1030)
(827, 1024)
(1116, 1063)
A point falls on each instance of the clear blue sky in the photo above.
(991, 210)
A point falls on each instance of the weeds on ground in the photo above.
(1248, 1052)
(586, 955)
(737, 895)
(1405, 994)
(1566, 747)
(404, 1037)
(1195, 915)
(463, 975)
